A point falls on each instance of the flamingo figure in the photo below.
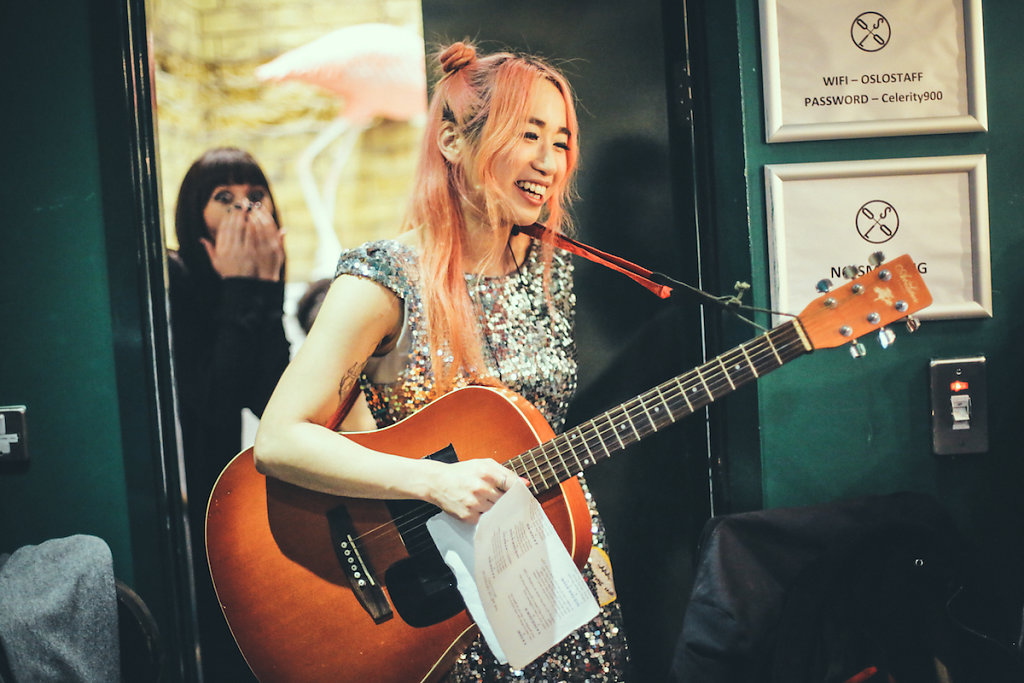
(378, 71)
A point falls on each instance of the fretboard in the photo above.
(573, 451)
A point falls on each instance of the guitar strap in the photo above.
(628, 268)
(350, 399)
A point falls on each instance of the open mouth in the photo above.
(533, 190)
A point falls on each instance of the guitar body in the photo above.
(287, 562)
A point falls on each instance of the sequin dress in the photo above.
(529, 346)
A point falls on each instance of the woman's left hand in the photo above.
(266, 242)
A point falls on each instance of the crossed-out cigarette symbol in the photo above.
(870, 31)
(877, 221)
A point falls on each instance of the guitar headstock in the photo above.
(890, 292)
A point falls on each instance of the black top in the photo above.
(229, 352)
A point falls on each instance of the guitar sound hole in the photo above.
(423, 591)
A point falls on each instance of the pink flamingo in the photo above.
(378, 71)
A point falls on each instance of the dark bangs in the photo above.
(220, 166)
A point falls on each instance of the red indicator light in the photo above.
(957, 386)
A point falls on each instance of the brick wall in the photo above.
(207, 94)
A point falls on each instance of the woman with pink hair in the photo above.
(459, 298)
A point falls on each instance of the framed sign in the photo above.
(825, 216)
(837, 70)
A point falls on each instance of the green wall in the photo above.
(57, 345)
(828, 426)
(74, 303)
(57, 348)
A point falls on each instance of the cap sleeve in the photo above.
(388, 263)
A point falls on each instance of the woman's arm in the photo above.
(293, 445)
(250, 350)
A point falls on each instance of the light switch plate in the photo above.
(959, 405)
(13, 434)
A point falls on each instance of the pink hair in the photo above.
(486, 99)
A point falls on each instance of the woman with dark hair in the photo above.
(459, 298)
(310, 303)
(228, 340)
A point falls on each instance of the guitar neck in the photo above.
(573, 451)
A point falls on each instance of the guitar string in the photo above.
(637, 406)
(631, 410)
(601, 435)
(413, 519)
(676, 399)
(410, 520)
(410, 525)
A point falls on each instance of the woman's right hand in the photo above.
(248, 244)
(467, 489)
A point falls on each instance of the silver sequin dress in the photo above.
(529, 346)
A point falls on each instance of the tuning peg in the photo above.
(886, 337)
(876, 259)
(824, 285)
(849, 272)
(913, 324)
(857, 349)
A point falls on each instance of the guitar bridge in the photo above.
(360, 577)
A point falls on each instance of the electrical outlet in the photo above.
(13, 434)
(959, 406)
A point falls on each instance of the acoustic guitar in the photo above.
(324, 588)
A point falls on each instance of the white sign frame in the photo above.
(778, 129)
(978, 304)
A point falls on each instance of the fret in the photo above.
(768, 338)
(746, 355)
(798, 330)
(563, 467)
(536, 469)
(575, 434)
(647, 412)
(707, 389)
(520, 468)
(726, 372)
(738, 370)
(695, 389)
(570, 463)
(668, 410)
(515, 465)
(615, 431)
(626, 414)
(545, 449)
(523, 471)
(683, 387)
(600, 439)
(586, 445)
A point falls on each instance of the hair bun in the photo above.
(457, 56)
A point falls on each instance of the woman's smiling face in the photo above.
(537, 162)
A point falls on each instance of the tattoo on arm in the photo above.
(349, 380)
